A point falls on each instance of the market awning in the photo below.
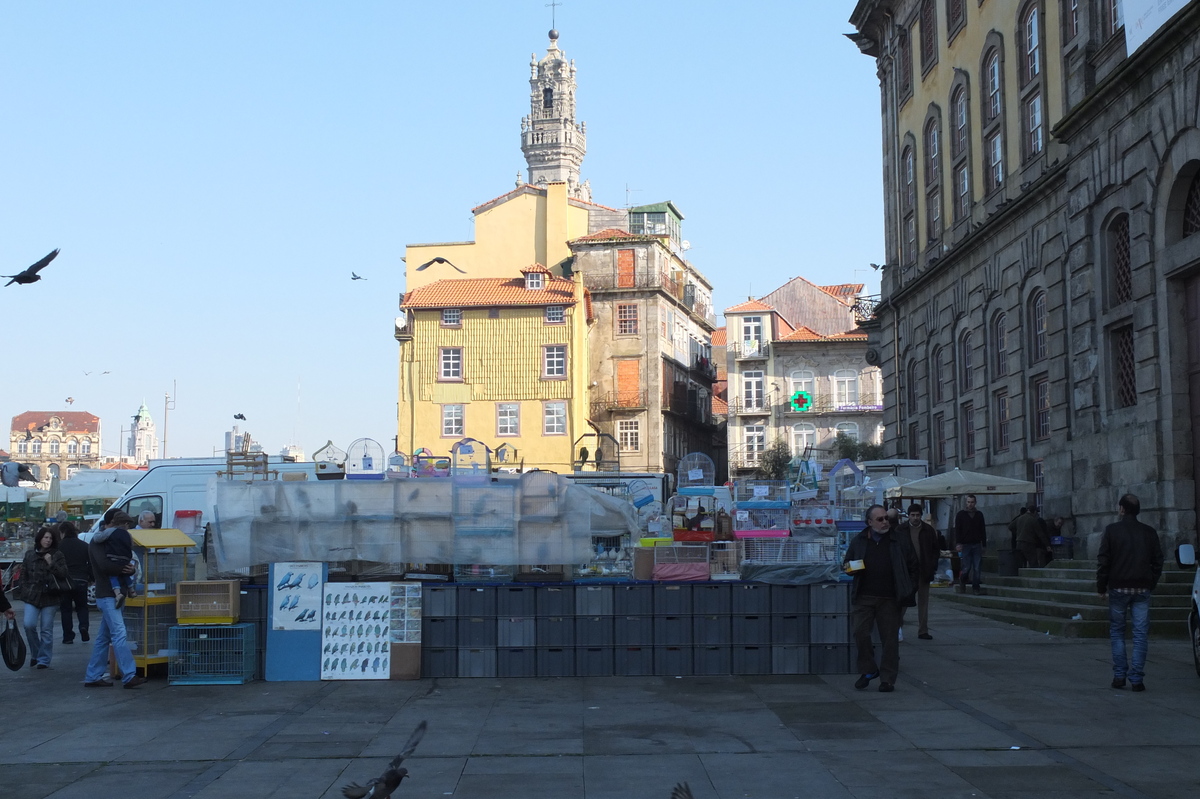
(958, 482)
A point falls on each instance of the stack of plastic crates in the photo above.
(762, 509)
(212, 654)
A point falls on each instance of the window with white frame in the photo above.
(452, 420)
(85, 447)
(555, 315)
(37, 448)
(22, 447)
(1034, 140)
(1000, 344)
(803, 380)
(627, 320)
(554, 360)
(508, 419)
(554, 419)
(629, 434)
(755, 436)
(535, 281)
(72, 447)
(992, 86)
(451, 363)
(753, 390)
(451, 317)
(752, 328)
(995, 164)
(54, 447)
(849, 429)
(845, 387)
(804, 435)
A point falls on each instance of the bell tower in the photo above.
(553, 143)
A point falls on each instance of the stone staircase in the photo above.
(1047, 599)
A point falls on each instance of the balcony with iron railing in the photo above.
(687, 404)
(602, 281)
(864, 308)
(751, 349)
(619, 401)
(749, 406)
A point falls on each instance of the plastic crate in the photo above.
(673, 661)
(712, 660)
(516, 662)
(439, 632)
(750, 599)
(516, 600)
(633, 661)
(253, 603)
(829, 598)
(476, 600)
(633, 630)
(751, 660)
(479, 631)
(148, 622)
(711, 631)
(672, 600)
(439, 662)
(790, 599)
(211, 654)
(479, 662)
(556, 662)
(789, 628)
(439, 600)
(752, 630)
(710, 599)
(555, 631)
(208, 601)
(672, 630)
(515, 632)
(829, 628)
(829, 658)
(553, 600)
(593, 631)
(594, 661)
(789, 659)
(633, 600)
(593, 600)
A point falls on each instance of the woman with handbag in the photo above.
(45, 580)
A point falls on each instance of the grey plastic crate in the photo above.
(789, 659)
(516, 600)
(516, 632)
(437, 631)
(556, 600)
(789, 629)
(593, 631)
(791, 600)
(252, 603)
(829, 598)
(594, 661)
(633, 661)
(476, 600)
(710, 600)
(711, 660)
(829, 628)
(477, 662)
(673, 661)
(556, 631)
(751, 659)
(593, 600)
(752, 630)
(633, 630)
(439, 662)
(556, 662)
(711, 631)
(477, 632)
(439, 600)
(672, 600)
(516, 662)
(633, 600)
(748, 599)
(829, 658)
(672, 630)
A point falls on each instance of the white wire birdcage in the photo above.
(681, 553)
(791, 550)
(725, 559)
(760, 491)
(696, 469)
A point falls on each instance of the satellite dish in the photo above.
(685, 245)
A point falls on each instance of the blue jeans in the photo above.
(1138, 605)
(111, 633)
(972, 563)
(39, 629)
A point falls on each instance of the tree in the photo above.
(850, 447)
(774, 462)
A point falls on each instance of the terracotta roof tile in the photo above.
(518, 190)
(719, 337)
(489, 292)
(752, 305)
(536, 268)
(608, 234)
(719, 406)
(846, 292)
(808, 334)
(73, 421)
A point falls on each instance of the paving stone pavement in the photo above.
(983, 710)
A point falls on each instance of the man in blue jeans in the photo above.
(1128, 567)
(112, 623)
(970, 539)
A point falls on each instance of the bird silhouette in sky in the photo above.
(355, 276)
(382, 786)
(241, 416)
(439, 260)
(682, 791)
(30, 275)
(70, 400)
(106, 373)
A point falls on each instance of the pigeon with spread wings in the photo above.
(382, 786)
(30, 275)
(438, 260)
(682, 791)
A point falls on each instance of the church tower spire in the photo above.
(553, 143)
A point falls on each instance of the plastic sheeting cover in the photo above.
(509, 521)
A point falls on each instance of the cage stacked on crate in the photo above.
(681, 562)
(693, 517)
(792, 560)
(211, 644)
(761, 509)
(485, 519)
(164, 561)
(612, 556)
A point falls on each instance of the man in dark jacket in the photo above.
(1128, 567)
(112, 623)
(970, 539)
(79, 566)
(1032, 541)
(928, 545)
(885, 569)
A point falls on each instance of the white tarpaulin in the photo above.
(1143, 18)
(958, 482)
(532, 519)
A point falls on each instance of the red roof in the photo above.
(843, 291)
(718, 337)
(536, 268)
(489, 292)
(608, 234)
(719, 406)
(752, 305)
(73, 421)
(803, 333)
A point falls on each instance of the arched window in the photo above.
(960, 145)
(993, 86)
(1000, 344)
(913, 393)
(1191, 208)
(845, 387)
(72, 447)
(993, 117)
(1112, 23)
(958, 121)
(36, 448)
(966, 360)
(849, 429)
(804, 435)
(933, 179)
(803, 380)
(1037, 327)
(938, 379)
(1119, 262)
(908, 203)
(22, 447)
(1031, 45)
(54, 447)
(85, 447)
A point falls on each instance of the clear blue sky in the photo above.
(213, 171)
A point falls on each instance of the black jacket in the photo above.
(929, 549)
(970, 530)
(78, 562)
(1130, 556)
(34, 573)
(905, 565)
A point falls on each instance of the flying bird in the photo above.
(382, 786)
(354, 276)
(70, 400)
(30, 275)
(241, 416)
(106, 373)
(682, 791)
(438, 260)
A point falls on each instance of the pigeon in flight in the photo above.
(241, 416)
(438, 260)
(682, 791)
(354, 276)
(382, 786)
(70, 400)
(31, 275)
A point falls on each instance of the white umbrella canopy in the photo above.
(958, 482)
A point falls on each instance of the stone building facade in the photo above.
(143, 438)
(55, 443)
(1042, 200)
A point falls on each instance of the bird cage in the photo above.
(693, 518)
(470, 460)
(725, 560)
(329, 462)
(163, 559)
(681, 562)
(505, 454)
(762, 522)
(542, 495)
(650, 518)
(364, 460)
(749, 493)
(695, 470)
(640, 494)
(426, 464)
(759, 551)
(398, 466)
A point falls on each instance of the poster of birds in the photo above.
(355, 630)
(405, 613)
(296, 595)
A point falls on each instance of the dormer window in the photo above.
(451, 317)
(535, 281)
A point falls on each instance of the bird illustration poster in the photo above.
(296, 595)
(355, 630)
(405, 613)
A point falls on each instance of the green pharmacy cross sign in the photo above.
(801, 401)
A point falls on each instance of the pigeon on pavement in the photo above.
(682, 791)
(382, 786)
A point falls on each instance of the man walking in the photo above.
(79, 566)
(112, 623)
(970, 539)
(928, 545)
(885, 570)
(1128, 567)
(1032, 540)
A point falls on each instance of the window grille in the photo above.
(1121, 266)
(1002, 423)
(1191, 208)
(451, 317)
(928, 33)
(627, 320)
(1124, 371)
(956, 14)
(904, 79)
(555, 315)
(1001, 345)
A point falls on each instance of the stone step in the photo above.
(1084, 586)
(1055, 592)
(1060, 610)
(1071, 628)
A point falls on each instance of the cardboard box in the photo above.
(406, 662)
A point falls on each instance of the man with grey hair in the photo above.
(146, 520)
